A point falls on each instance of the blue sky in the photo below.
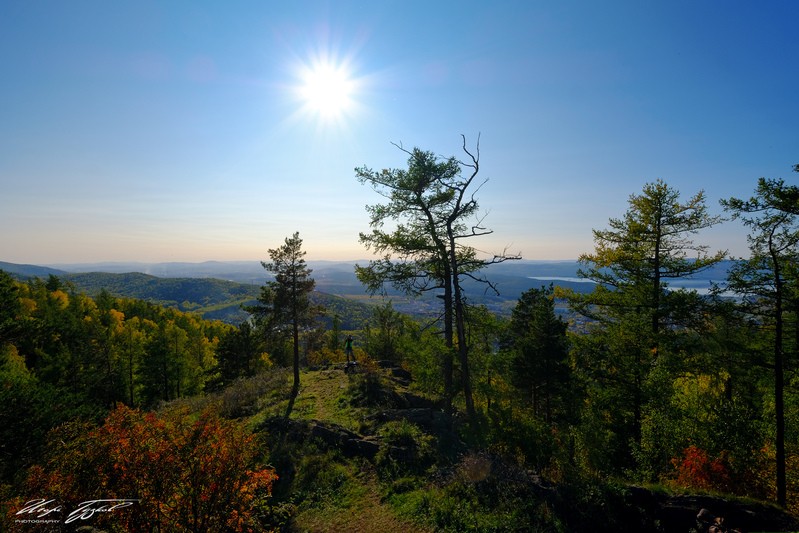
(181, 131)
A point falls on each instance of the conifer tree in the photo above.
(768, 279)
(284, 304)
(432, 208)
(633, 311)
(539, 364)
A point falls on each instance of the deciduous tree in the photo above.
(180, 472)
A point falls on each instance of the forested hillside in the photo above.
(212, 299)
(187, 294)
(352, 437)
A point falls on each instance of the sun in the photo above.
(326, 89)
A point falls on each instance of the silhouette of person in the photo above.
(348, 348)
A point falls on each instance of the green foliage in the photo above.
(240, 353)
(481, 493)
(489, 364)
(284, 306)
(30, 410)
(537, 340)
(640, 328)
(405, 449)
(432, 209)
(284, 301)
(247, 396)
(10, 309)
(696, 412)
(214, 299)
(769, 281)
(68, 356)
(313, 477)
(367, 389)
(426, 359)
(326, 480)
(527, 439)
(387, 334)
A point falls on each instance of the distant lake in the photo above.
(702, 286)
(559, 278)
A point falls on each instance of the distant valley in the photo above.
(218, 289)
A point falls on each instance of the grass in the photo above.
(324, 396)
(320, 398)
(322, 490)
(330, 492)
(358, 507)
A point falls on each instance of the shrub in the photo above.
(186, 475)
(246, 396)
(325, 356)
(405, 448)
(696, 469)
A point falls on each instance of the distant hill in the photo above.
(30, 271)
(213, 299)
(241, 271)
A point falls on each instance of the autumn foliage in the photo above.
(697, 469)
(188, 473)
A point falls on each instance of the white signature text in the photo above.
(84, 510)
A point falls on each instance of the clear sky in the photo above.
(191, 131)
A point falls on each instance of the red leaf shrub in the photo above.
(696, 469)
(188, 474)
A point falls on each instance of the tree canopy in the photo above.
(432, 208)
(284, 304)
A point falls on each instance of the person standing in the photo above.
(348, 348)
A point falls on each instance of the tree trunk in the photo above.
(779, 381)
(460, 330)
(296, 336)
(656, 288)
(447, 366)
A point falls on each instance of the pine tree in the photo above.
(634, 313)
(433, 209)
(284, 305)
(540, 349)
(768, 280)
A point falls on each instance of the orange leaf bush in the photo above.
(187, 474)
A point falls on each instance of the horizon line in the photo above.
(205, 261)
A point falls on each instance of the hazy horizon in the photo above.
(163, 132)
(361, 260)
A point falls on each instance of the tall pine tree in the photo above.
(284, 305)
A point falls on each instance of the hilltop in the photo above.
(368, 452)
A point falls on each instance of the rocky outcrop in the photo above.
(678, 513)
(429, 419)
(351, 444)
